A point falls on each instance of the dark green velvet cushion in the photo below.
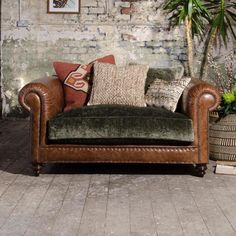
(118, 124)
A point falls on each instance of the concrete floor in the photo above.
(94, 200)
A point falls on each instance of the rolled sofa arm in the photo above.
(48, 93)
(43, 98)
(198, 99)
(199, 95)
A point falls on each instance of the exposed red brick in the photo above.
(127, 10)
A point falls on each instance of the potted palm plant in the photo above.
(214, 18)
(223, 131)
(194, 16)
(203, 17)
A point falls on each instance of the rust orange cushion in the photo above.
(77, 80)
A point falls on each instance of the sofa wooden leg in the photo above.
(37, 168)
(200, 169)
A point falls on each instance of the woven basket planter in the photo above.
(222, 139)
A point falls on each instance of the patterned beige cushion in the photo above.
(166, 93)
(118, 85)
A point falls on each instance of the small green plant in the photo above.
(228, 103)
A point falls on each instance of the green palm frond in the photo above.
(193, 10)
(223, 16)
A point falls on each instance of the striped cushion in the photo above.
(166, 93)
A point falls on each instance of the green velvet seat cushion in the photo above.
(120, 124)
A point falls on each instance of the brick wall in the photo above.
(134, 31)
(0, 61)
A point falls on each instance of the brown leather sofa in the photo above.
(43, 98)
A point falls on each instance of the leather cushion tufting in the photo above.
(120, 124)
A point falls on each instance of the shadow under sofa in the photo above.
(116, 133)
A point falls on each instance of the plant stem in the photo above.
(208, 54)
(188, 27)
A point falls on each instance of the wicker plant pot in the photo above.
(222, 139)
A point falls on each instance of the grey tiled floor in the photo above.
(125, 200)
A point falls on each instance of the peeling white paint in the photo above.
(28, 53)
(8, 94)
(19, 83)
(17, 34)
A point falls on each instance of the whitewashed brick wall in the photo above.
(134, 31)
